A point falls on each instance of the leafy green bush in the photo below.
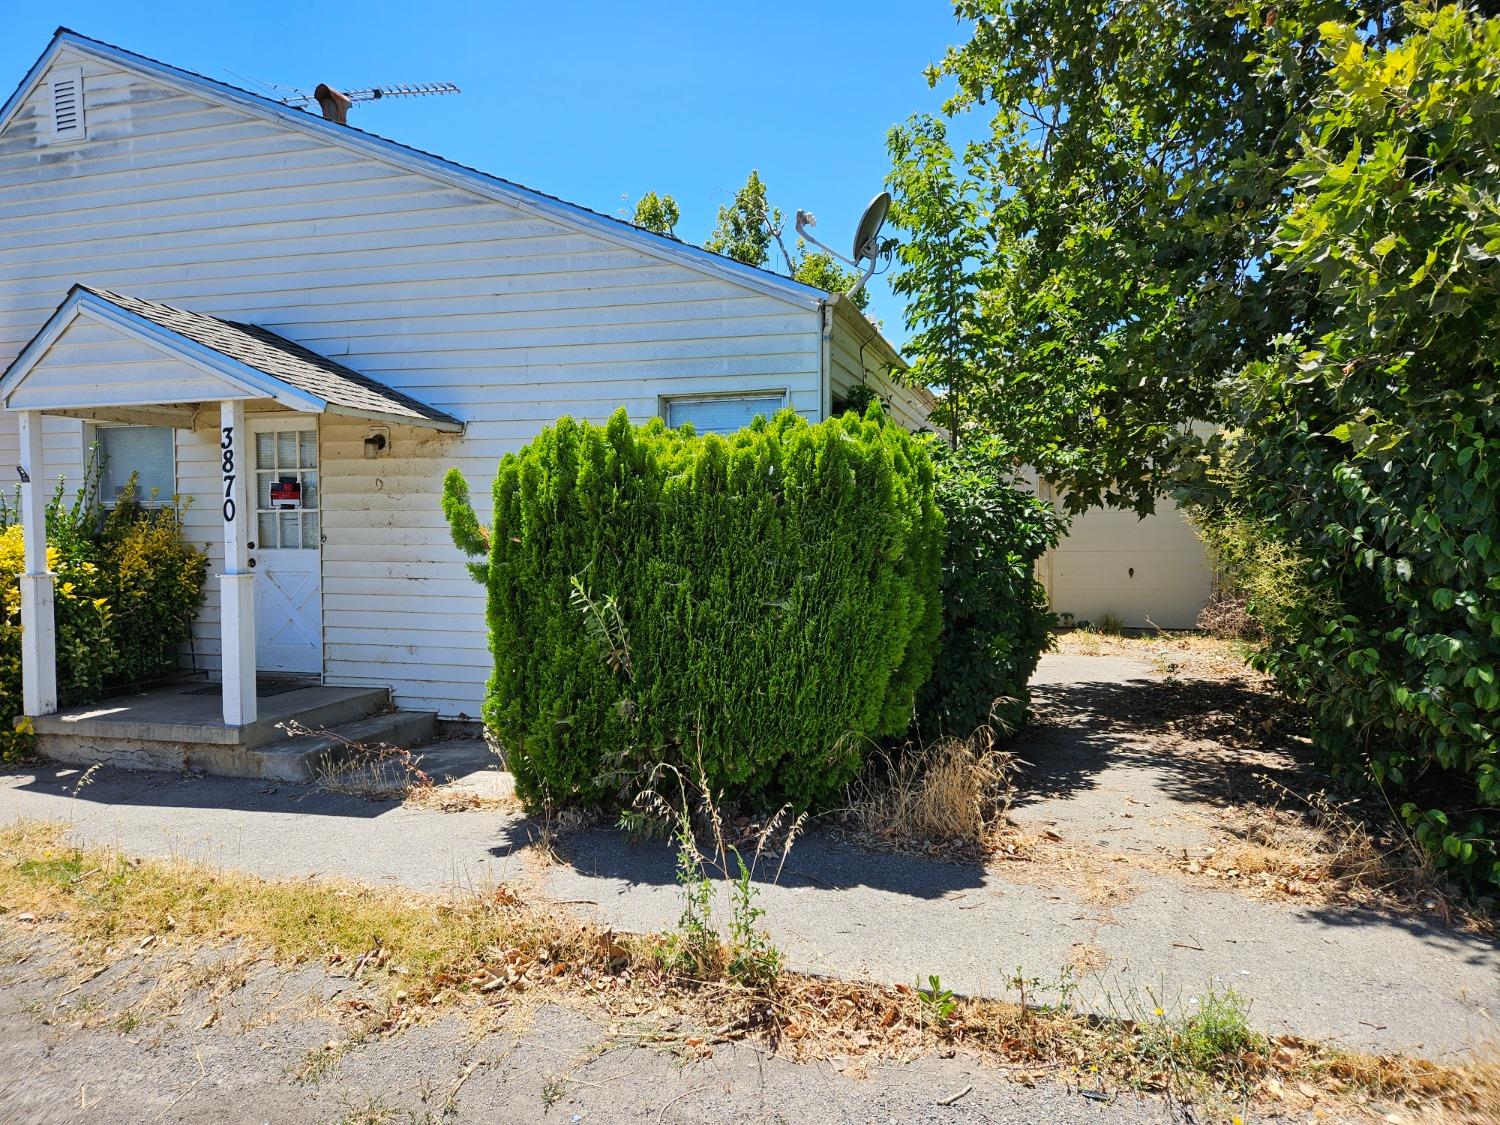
(153, 579)
(762, 603)
(126, 589)
(996, 622)
(1368, 452)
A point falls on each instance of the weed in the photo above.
(1111, 624)
(554, 1089)
(127, 1020)
(320, 1062)
(1064, 988)
(1216, 1029)
(1201, 1048)
(694, 947)
(754, 961)
(63, 869)
(936, 1002)
(606, 624)
(376, 772)
(373, 1111)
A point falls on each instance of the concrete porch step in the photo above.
(309, 757)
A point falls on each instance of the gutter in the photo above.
(825, 359)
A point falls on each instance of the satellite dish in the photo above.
(866, 238)
(866, 235)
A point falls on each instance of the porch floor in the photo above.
(183, 713)
(180, 727)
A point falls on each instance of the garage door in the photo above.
(1142, 571)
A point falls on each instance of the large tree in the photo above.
(1084, 272)
(1368, 442)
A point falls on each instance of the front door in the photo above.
(287, 547)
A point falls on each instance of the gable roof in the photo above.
(248, 356)
(425, 163)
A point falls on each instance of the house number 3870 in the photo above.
(227, 445)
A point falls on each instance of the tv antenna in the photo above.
(867, 242)
(303, 98)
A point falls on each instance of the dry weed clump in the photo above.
(414, 954)
(950, 793)
(462, 795)
(376, 772)
(1227, 616)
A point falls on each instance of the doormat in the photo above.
(264, 689)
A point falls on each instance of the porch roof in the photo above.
(228, 360)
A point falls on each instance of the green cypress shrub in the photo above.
(765, 603)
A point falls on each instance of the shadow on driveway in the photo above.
(151, 789)
(817, 861)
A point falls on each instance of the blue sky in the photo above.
(587, 101)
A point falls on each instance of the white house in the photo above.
(300, 326)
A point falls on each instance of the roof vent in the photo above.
(335, 106)
(65, 103)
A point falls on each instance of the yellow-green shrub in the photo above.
(153, 580)
(85, 646)
(126, 589)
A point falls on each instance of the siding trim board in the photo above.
(404, 156)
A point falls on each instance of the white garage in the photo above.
(1144, 572)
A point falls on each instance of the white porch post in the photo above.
(38, 626)
(237, 583)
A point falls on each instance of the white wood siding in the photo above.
(91, 362)
(503, 319)
(855, 359)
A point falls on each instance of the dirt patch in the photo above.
(1195, 655)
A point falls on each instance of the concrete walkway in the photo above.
(1360, 978)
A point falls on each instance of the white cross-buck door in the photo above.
(287, 545)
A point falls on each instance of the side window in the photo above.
(146, 451)
(722, 414)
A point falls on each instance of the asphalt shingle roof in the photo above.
(279, 358)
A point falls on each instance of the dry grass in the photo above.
(1481, 1080)
(1172, 653)
(1316, 848)
(459, 796)
(951, 793)
(416, 954)
(1227, 615)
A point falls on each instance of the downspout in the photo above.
(825, 359)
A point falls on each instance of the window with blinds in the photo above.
(722, 414)
(147, 452)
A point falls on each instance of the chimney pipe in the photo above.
(335, 106)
